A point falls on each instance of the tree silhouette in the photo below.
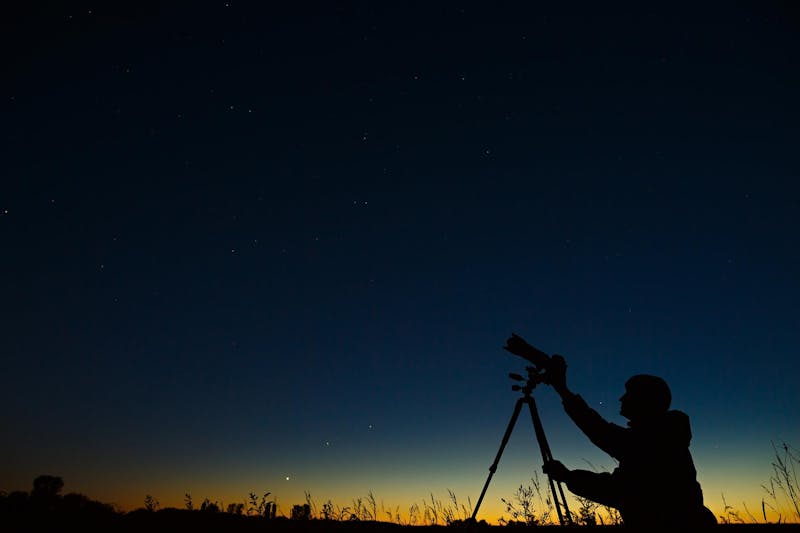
(47, 487)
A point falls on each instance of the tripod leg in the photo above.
(493, 468)
(544, 447)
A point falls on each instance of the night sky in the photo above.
(258, 248)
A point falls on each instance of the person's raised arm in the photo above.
(609, 437)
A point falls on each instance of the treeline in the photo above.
(45, 498)
(44, 508)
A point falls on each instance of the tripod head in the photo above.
(536, 375)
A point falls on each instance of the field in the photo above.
(45, 509)
(173, 520)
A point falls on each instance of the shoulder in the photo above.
(677, 427)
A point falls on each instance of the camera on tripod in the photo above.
(542, 364)
(543, 369)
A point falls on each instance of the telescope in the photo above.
(537, 372)
(519, 346)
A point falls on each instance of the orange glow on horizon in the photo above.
(492, 509)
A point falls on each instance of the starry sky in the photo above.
(258, 248)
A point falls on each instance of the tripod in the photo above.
(534, 377)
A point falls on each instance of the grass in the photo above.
(530, 505)
(782, 492)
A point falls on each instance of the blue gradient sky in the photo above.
(243, 244)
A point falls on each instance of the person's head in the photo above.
(645, 396)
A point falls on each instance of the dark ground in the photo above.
(176, 520)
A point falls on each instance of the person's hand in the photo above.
(556, 372)
(556, 470)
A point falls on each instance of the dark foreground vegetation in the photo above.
(45, 509)
(181, 520)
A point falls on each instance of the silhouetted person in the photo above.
(655, 484)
